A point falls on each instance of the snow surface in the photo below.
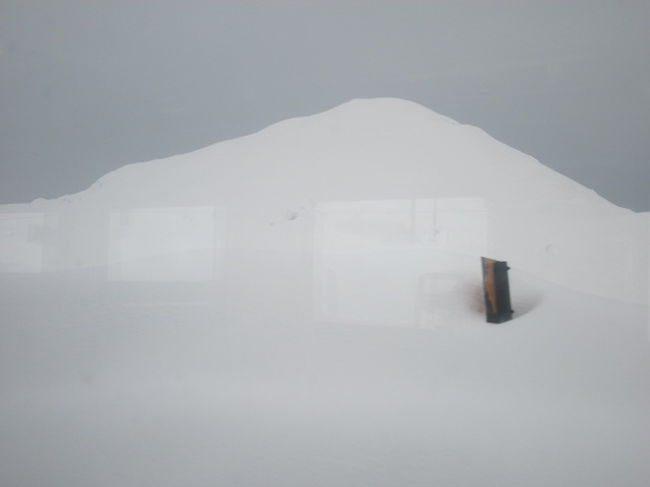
(303, 306)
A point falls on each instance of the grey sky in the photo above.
(87, 86)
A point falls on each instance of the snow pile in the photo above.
(124, 359)
(370, 190)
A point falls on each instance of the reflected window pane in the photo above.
(395, 261)
(24, 241)
(165, 244)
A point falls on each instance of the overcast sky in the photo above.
(87, 86)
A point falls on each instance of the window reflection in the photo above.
(25, 243)
(397, 261)
(165, 244)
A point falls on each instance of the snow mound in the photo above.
(187, 321)
(315, 209)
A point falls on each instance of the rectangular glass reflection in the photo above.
(165, 244)
(394, 261)
(25, 241)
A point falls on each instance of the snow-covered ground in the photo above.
(302, 307)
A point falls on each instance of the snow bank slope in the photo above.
(382, 174)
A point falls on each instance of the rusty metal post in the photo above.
(496, 289)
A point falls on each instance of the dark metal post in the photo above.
(496, 290)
